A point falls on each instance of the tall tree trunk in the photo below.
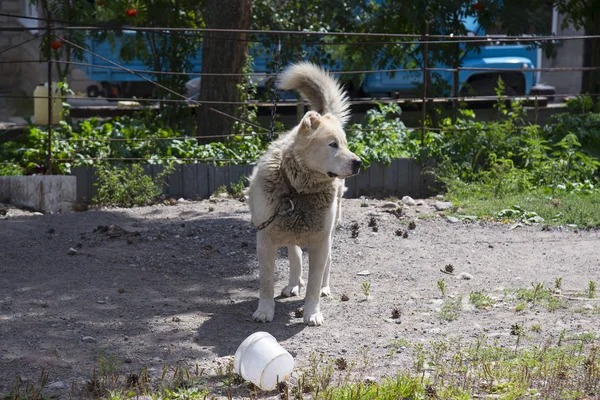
(222, 53)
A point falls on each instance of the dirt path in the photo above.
(178, 284)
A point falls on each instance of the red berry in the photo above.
(57, 44)
(131, 12)
(478, 7)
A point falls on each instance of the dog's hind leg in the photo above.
(295, 283)
(266, 262)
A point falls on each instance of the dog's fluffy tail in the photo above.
(322, 90)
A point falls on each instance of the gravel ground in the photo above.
(162, 285)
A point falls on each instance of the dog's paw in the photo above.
(265, 312)
(292, 290)
(315, 319)
(325, 291)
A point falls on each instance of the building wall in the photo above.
(17, 78)
(570, 54)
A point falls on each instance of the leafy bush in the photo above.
(10, 169)
(383, 137)
(508, 156)
(582, 121)
(92, 141)
(128, 186)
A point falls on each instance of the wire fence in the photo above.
(423, 101)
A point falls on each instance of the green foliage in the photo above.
(91, 141)
(480, 300)
(383, 137)
(509, 156)
(582, 120)
(450, 309)
(128, 186)
(10, 169)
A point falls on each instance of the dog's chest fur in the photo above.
(309, 213)
(312, 200)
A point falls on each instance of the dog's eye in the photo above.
(333, 144)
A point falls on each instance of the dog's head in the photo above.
(322, 143)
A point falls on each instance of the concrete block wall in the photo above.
(51, 193)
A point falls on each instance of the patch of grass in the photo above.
(551, 368)
(536, 295)
(537, 328)
(560, 208)
(450, 309)
(28, 390)
(480, 300)
(395, 345)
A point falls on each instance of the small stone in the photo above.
(345, 297)
(51, 231)
(365, 272)
(121, 290)
(466, 276)
(452, 220)
(409, 201)
(71, 252)
(88, 339)
(101, 301)
(442, 205)
(57, 385)
(370, 380)
(390, 204)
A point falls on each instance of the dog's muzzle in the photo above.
(356, 166)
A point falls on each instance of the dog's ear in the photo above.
(310, 122)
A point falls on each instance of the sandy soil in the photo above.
(163, 285)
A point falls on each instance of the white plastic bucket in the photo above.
(262, 361)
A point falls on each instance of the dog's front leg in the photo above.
(318, 252)
(295, 283)
(266, 263)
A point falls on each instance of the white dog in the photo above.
(296, 190)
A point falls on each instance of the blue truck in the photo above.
(514, 62)
(479, 71)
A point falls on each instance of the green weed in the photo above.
(441, 284)
(591, 292)
(450, 309)
(366, 289)
(480, 300)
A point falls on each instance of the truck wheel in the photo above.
(93, 91)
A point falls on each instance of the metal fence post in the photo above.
(425, 79)
(49, 62)
(454, 94)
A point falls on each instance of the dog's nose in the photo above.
(356, 166)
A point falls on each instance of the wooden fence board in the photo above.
(402, 177)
